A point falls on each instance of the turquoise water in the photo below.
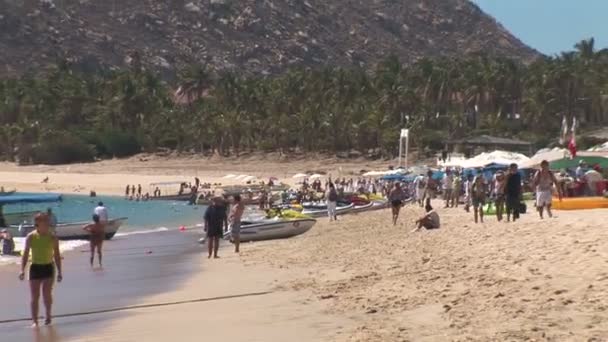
(142, 215)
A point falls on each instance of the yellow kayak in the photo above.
(580, 203)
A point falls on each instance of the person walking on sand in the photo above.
(447, 183)
(97, 232)
(478, 191)
(332, 202)
(430, 220)
(430, 187)
(396, 198)
(236, 213)
(498, 192)
(216, 222)
(513, 192)
(46, 258)
(543, 181)
(456, 190)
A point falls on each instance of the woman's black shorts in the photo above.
(396, 203)
(41, 272)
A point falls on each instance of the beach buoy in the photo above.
(182, 229)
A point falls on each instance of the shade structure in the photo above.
(230, 176)
(299, 175)
(567, 163)
(316, 176)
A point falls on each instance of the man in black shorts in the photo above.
(513, 192)
(216, 222)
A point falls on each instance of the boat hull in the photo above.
(272, 229)
(320, 212)
(74, 231)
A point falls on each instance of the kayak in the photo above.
(580, 203)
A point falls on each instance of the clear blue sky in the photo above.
(552, 26)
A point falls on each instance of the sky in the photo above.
(552, 26)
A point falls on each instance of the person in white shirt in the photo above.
(447, 184)
(102, 212)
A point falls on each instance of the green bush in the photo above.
(61, 148)
(117, 143)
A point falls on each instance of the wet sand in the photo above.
(211, 298)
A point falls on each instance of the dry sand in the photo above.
(361, 279)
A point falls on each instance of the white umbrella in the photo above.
(229, 176)
(241, 177)
(316, 176)
(299, 175)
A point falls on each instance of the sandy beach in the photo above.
(358, 279)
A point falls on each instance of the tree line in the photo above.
(63, 115)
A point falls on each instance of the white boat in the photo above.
(272, 229)
(73, 231)
(320, 210)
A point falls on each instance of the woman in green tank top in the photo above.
(44, 249)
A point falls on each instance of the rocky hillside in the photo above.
(260, 36)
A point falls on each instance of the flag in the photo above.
(564, 131)
(572, 143)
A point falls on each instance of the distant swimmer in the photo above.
(97, 231)
(216, 221)
(46, 258)
(236, 213)
(139, 189)
(430, 220)
(45, 180)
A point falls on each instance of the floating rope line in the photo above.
(143, 306)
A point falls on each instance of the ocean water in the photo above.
(143, 217)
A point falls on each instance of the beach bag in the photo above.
(522, 208)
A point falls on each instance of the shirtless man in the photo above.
(96, 229)
(236, 213)
(544, 180)
(396, 198)
(479, 197)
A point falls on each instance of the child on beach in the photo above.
(478, 192)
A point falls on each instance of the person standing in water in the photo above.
(102, 212)
(396, 198)
(46, 257)
(236, 213)
(543, 182)
(215, 219)
(97, 231)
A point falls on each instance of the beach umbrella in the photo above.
(249, 178)
(241, 177)
(316, 176)
(299, 175)
(229, 176)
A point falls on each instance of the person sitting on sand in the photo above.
(478, 192)
(96, 229)
(430, 220)
(8, 244)
(543, 181)
(396, 199)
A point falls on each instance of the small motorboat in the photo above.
(320, 209)
(73, 231)
(272, 229)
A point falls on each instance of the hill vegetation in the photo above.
(66, 115)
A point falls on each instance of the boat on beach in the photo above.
(72, 230)
(272, 229)
(320, 209)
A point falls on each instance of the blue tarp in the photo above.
(29, 198)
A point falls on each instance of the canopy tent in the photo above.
(316, 176)
(249, 178)
(489, 158)
(168, 183)
(229, 176)
(567, 163)
(299, 175)
(30, 198)
(559, 158)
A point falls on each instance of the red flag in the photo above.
(572, 143)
